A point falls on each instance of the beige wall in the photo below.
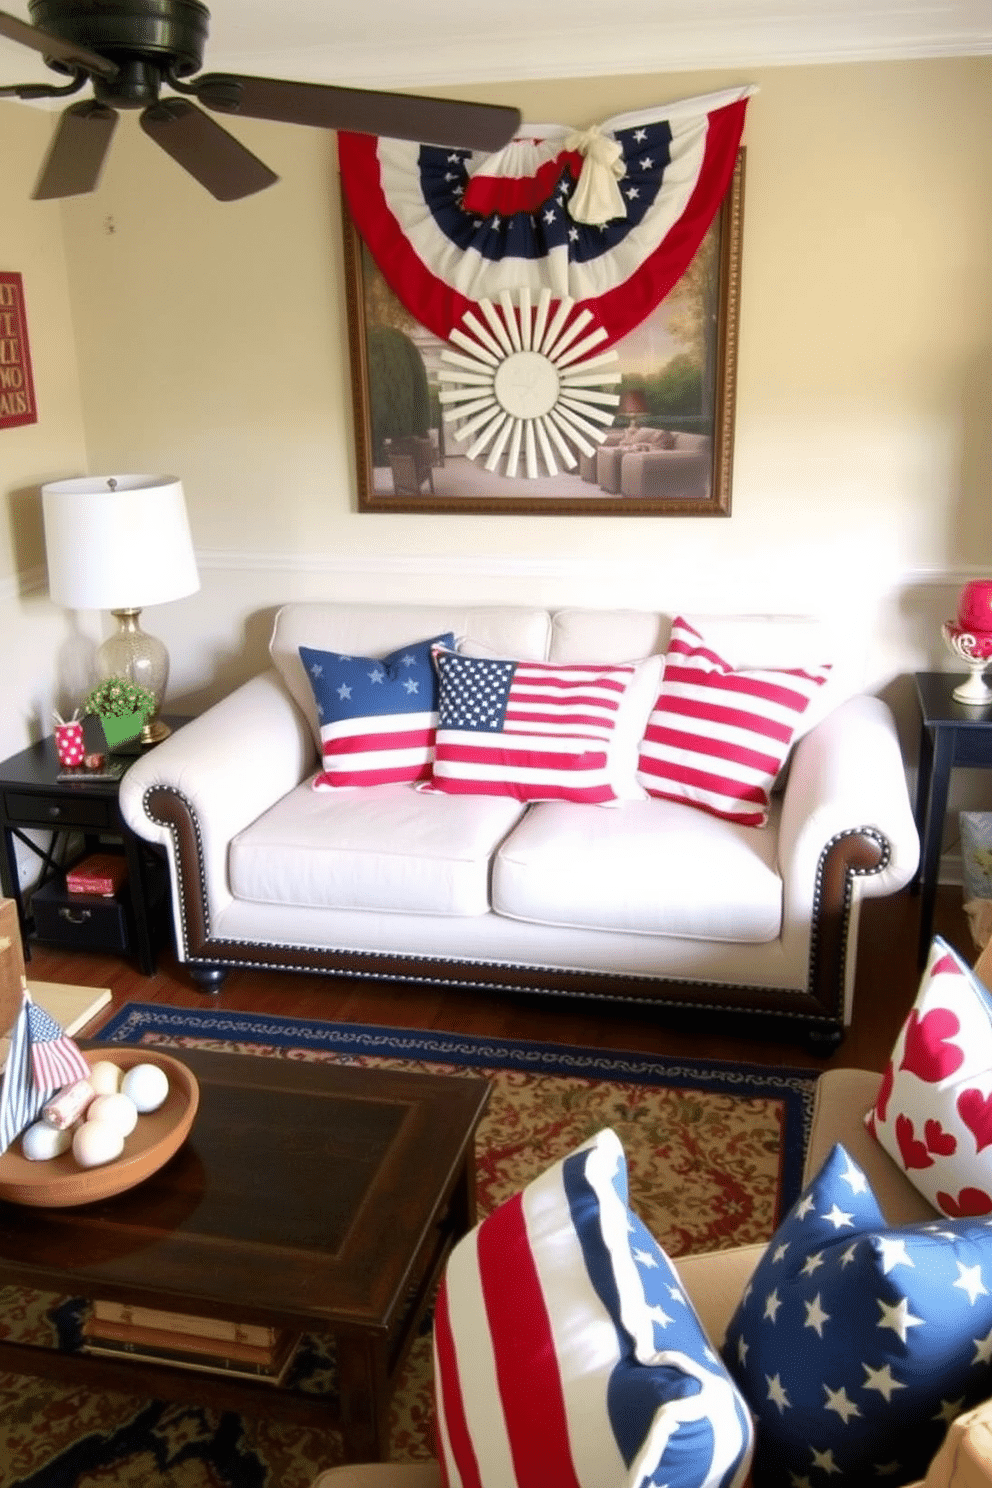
(34, 636)
(211, 343)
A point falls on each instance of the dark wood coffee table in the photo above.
(315, 1197)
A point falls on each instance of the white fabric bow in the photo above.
(597, 197)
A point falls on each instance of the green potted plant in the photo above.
(122, 707)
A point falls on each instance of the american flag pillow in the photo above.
(532, 730)
(566, 1354)
(718, 735)
(377, 717)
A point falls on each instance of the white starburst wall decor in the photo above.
(527, 387)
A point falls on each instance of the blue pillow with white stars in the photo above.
(377, 715)
(856, 1344)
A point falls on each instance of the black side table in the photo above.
(951, 734)
(32, 796)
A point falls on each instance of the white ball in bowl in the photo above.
(105, 1077)
(117, 1110)
(41, 1141)
(147, 1085)
(95, 1143)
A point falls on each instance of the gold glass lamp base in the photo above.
(132, 652)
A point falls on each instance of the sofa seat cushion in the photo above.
(646, 867)
(388, 848)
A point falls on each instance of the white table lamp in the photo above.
(120, 543)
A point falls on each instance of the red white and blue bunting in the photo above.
(609, 218)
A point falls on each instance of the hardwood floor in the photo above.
(887, 981)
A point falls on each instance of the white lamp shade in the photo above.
(118, 542)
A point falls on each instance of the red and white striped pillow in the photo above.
(718, 735)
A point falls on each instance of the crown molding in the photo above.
(617, 50)
(295, 38)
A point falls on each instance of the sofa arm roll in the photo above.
(230, 764)
(847, 775)
(965, 1458)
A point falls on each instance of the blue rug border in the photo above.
(794, 1086)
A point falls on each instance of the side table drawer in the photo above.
(82, 922)
(52, 811)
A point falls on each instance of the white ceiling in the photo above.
(397, 44)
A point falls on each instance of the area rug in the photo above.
(715, 1152)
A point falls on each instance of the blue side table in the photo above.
(951, 734)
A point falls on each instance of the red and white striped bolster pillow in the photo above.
(718, 735)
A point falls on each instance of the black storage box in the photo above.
(79, 922)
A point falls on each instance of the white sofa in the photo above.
(649, 901)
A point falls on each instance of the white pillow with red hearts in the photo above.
(933, 1114)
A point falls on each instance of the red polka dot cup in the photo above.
(69, 745)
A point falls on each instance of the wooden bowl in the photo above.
(60, 1182)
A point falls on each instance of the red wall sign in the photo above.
(17, 405)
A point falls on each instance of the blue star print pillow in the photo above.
(377, 715)
(856, 1344)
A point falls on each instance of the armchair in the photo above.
(716, 1281)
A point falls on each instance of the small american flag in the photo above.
(530, 730)
(40, 1061)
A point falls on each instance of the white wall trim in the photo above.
(494, 565)
(443, 565)
(717, 40)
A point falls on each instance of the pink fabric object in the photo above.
(933, 1114)
(718, 735)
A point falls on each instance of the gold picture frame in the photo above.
(682, 358)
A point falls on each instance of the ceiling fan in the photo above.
(129, 49)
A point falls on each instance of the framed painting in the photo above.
(667, 451)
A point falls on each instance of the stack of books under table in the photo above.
(114, 1329)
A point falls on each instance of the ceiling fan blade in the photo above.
(77, 152)
(436, 121)
(53, 46)
(217, 160)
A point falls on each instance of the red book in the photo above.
(100, 873)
